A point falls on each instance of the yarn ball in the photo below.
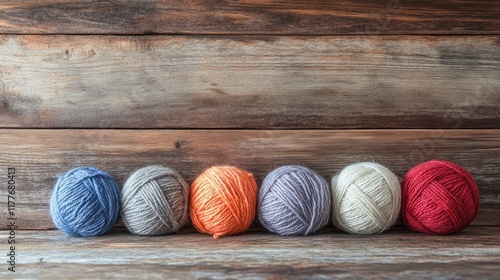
(223, 201)
(85, 202)
(154, 201)
(294, 200)
(439, 197)
(366, 198)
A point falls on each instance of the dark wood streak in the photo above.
(250, 17)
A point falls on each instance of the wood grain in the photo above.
(40, 155)
(250, 82)
(471, 254)
(394, 93)
(250, 17)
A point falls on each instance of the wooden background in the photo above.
(258, 84)
(246, 83)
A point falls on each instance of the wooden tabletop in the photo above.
(396, 254)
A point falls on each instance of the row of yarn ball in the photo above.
(436, 197)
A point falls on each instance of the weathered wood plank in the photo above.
(250, 17)
(471, 254)
(250, 82)
(40, 155)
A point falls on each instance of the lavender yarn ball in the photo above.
(154, 201)
(85, 202)
(294, 200)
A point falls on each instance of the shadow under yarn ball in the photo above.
(294, 200)
(85, 202)
(366, 198)
(154, 201)
(439, 197)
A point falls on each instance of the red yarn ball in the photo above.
(438, 197)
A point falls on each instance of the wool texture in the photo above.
(154, 201)
(223, 201)
(439, 197)
(85, 202)
(366, 198)
(294, 200)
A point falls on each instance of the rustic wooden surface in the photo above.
(40, 155)
(250, 82)
(250, 17)
(397, 254)
(190, 84)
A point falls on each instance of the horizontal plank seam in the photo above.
(240, 128)
(256, 34)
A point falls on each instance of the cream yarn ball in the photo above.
(366, 198)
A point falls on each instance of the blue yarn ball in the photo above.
(85, 202)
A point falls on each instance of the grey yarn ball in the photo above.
(154, 201)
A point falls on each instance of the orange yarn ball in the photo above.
(223, 201)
